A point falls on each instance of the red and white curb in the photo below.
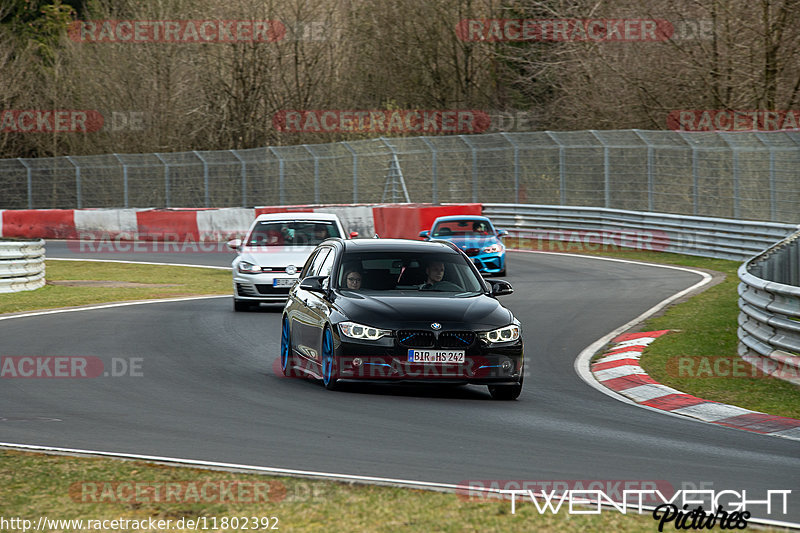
(619, 370)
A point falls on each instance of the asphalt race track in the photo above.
(208, 391)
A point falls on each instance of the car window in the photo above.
(406, 271)
(466, 227)
(327, 265)
(315, 262)
(292, 232)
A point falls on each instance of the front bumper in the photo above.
(492, 364)
(490, 263)
(260, 288)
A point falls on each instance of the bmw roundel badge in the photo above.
(436, 326)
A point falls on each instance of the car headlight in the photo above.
(493, 249)
(505, 334)
(248, 268)
(360, 331)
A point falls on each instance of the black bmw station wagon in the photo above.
(400, 310)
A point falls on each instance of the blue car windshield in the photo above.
(407, 271)
(453, 228)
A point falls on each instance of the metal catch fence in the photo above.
(742, 175)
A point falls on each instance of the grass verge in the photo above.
(705, 327)
(59, 487)
(158, 282)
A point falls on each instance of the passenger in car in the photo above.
(352, 279)
(320, 233)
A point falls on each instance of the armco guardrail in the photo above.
(21, 265)
(591, 228)
(769, 292)
(769, 304)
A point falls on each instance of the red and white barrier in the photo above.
(388, 221)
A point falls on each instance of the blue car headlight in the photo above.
(508, 333)
(493, 249)
(362, 332)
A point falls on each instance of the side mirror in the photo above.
(425, 234)
(353, 234)
(313, 283)
(500, 287)
(502, 233)
(234, 244)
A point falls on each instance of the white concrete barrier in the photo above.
(21, 265)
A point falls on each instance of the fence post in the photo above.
(606, 170)
(166, 180)
(124, 180)
(206, 199)
(316, 173)
(281, 176)
(516, 165)
(396, 162)
(562, 163)
(29, 172)
(650, 181)
(434, 170)
(77, 182)
(773, 211)
(243, 176)
(355, 171)
(474, 167)
(737, 208)
(695, 176)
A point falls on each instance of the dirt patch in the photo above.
(107, 283)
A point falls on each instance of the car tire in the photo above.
(287, 357)
(506, 392)
(330, 368)
(239, 305)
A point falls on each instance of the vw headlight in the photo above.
(505, 334)
(362, 332)
(493, 249)
(248, 268)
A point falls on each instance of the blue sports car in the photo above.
(476, 235)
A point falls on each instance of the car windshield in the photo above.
(407, 271)
(291, 233)
(449, 228)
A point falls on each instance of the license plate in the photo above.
(283, 282)
(436, 356)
